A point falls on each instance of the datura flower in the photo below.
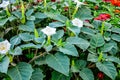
(49, 31)
(4, 4)
(4, 47)
(77, 22)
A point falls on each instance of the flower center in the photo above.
(2, 47)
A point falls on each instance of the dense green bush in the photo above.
(59, 40)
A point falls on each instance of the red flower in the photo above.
(103, 17)
(106, 0)
(100, 75)
(115, 2)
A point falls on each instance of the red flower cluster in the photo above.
(106, 0)
(115, 2)
(103, 17)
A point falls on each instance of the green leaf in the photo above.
(29, 12)
(36, 33)
(109, 46)
(59, 34)
(22, 71)
(29, 26)
(59, 62)
(56, 24)
(69, 49)
(15, 40)
(97, 41)
(92, 57)
(115, 37)
(58, 76)
(4, 64)
(17, 14)
(113, 59)
(17, 51)
(88, 31)
(26, 37)
(86, 74)
(108, 68)
(37, 74)
(116, 30)
(30, 45)
(84, 13)
(40, 15)
(74, 29)
(3, 21)
(81, 43)
(40, 61)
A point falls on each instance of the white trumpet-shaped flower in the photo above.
(4, 47)
(78, 3)
(49, 31)
(77, 22)
(4, 4)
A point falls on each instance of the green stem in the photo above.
(100, 57)
(45, 3)
(75, 11)
(48, 40)
(7, 11)
(102, 28)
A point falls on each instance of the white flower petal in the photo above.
(4, 4)
(77, 22)
(49, 31)
(4, 47)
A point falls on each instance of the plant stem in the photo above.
(102, 28)
(45, 3)
(36, 57)
(75, 11)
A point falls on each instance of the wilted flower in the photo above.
(49, 31)
(4, 4)
(100, 75)
(103, 17)
(77, 22)
(4, 47)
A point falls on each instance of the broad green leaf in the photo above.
(69, 49)
(116, 37)
(36, 33)
(31, 18)
(97, 41)
(59, 76)
(92, 57)
(116, 30)
(108, 47)
(29, 26)
(88, 31)
(81, 43)
(17, 51)
(59, 62)
(26, 37)
(11, 18)
(39, 40)
(29, 12)
(84, 13)
(113, 59)
(59, 34)
(56, 24)
(56, 16)
(4, 64)
(17, 14)
(37, 74)
(22, 71)
(3, 21)
(40, 15)
(108, 68)
(74, 29)
(86, 74)
(15, 40)
(40, 61)
(30, 45)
